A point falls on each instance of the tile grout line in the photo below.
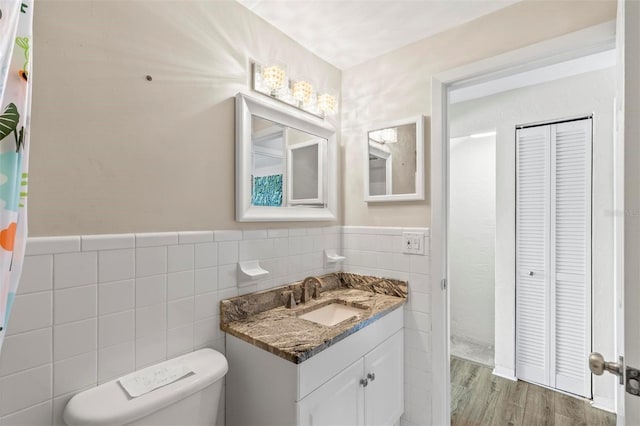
(98, 267)
(166, 303)
(135, 305)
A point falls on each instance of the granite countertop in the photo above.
(262, 319)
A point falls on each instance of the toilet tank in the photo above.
(192, 400)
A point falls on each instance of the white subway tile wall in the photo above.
(92, 308)
(377, 251)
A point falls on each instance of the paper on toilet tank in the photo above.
(144, 381)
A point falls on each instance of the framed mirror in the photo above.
(394, 161)
(286, 164)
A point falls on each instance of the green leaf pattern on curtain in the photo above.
(16, 27)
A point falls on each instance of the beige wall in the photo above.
(112, 152)
(398, 85)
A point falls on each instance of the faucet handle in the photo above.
(315, 293)
(290, 301)
(305, 296)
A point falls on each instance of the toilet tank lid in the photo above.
(108, 404)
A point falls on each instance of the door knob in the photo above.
(598, 365)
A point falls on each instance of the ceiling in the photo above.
(348, 32)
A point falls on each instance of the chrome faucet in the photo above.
(310, 293)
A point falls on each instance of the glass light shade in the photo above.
(302, 91)
(285, 95)
(327, 104)
(274, 77)
(274, 82)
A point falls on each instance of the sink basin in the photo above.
(331, 314)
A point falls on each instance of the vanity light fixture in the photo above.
(273, 81)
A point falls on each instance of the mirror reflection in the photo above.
(392, 160)
(287, 166)
(267, 169)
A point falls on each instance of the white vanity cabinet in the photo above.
(340, 401)
(369, 392)
(357, 381)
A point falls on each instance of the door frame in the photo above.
(570, 46)
(628, 108)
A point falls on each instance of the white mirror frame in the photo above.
(419, 194)
(246, 106)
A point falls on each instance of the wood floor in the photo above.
(480, 398)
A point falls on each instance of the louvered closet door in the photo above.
(571, 254)
(532, 255)
(553, 255)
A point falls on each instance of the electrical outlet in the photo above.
(413, 242)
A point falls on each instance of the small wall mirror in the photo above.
(394, 161)
(285, 164)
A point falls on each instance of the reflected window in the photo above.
(287, 166)
(305, 172)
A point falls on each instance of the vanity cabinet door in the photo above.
(338, 402)
(384, 394)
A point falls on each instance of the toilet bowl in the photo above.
(192, 400)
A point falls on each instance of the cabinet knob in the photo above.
(364, 382)
(371, 376)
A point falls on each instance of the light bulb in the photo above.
(274, 77)
(302, 91)
(327, 103)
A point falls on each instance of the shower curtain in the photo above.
(16, 21)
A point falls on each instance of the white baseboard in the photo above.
(604, 403)
(505, 373)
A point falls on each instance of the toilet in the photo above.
(192, 400)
